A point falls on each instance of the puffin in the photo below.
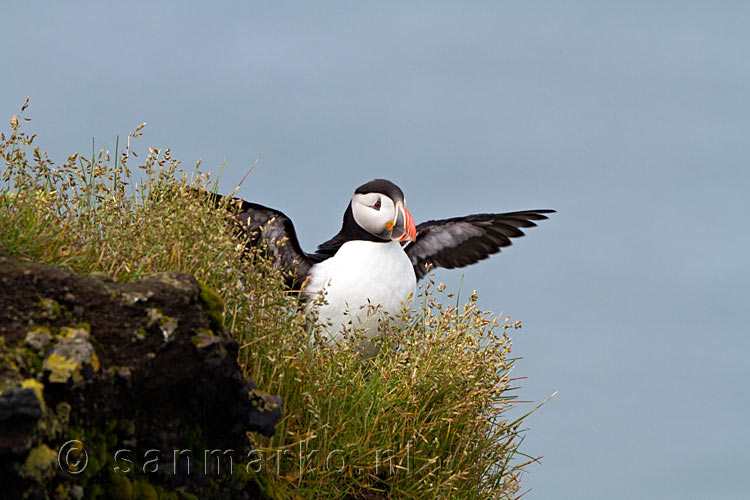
(370, 269)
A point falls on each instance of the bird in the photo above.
(378, 256)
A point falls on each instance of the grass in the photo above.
(425, 418)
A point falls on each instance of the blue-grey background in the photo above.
(632, 119)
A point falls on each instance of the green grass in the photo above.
(425, 418)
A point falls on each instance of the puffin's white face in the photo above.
(373, 212)
(377, 214)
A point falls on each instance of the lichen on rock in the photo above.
(38, 338)
(167, 325)
(40, 464)
(73, 359)
(146, 365)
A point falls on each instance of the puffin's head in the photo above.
(378, 208)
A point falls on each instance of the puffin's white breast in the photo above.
(361, 273)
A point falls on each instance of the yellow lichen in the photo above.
(94, 361)
(40, 464)
(74, 333)
(38, 337)
(37, 387)
(260, 401)
(62, 491)
(50, 307)
(63, 368)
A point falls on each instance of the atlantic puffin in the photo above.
(378, 256)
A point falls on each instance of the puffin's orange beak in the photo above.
(403, 225)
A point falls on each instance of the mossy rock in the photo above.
(79, 362)
(214, 305)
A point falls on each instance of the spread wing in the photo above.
(461, 241)
(274, 232)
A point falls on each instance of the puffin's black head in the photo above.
(378, 208)
(382, 186)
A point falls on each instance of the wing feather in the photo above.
(461, 241)
(274, 232)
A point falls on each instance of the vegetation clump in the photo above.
(424, 418)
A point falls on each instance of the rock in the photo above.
(19, 404)
(20, 409)
(144, 367)
(38, 338)
(73, 359)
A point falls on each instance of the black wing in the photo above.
(461, 241)
(274, 232)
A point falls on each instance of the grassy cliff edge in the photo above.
(425, 418)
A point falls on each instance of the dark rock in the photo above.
(19, 404)
(20, 409)
(145, 367)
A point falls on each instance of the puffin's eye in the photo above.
(376, 206)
